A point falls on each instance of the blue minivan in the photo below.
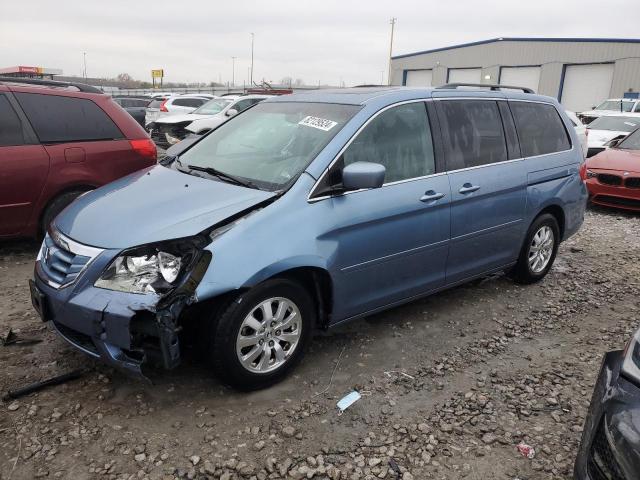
(306, 211)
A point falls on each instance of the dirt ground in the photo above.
(450, 385)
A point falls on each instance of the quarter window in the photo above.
(66, 119)
(472, 133)
(399, 139)
(11, 132)
(540, 128)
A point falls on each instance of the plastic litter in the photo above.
(348, 400)
(526, 450)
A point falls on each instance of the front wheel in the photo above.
(539, 250)
(261, 335)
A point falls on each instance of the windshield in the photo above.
(270, 144)
(212, 107)
(615, 124)
(616, 105)
(631, 141)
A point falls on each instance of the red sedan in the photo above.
(613, 176)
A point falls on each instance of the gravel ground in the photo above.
(450, 386)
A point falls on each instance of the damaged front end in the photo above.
(167, 134)
(121, 307)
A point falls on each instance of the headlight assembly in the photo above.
(150, 269)
(591, 174)
(631, 362)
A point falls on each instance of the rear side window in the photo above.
(58, 119)
(11, 132)
(472, 133)
(188, 102)
(540, 129)
(155, 103)
(399, 139)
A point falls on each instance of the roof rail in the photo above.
(82, 87)
(490, 86)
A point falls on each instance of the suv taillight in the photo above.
(163, 108)
(583, 171)
(145, 148)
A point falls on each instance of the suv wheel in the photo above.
(539, 250)
(261, 335)
(55, 207)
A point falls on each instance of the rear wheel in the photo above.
(261, 335)
(539, 250)
(55, 207)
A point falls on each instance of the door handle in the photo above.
(468, 188)
(430, 196)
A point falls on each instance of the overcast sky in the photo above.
(325, 41)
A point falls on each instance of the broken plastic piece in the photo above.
(348, 400)
(12, 339)
(526, 450)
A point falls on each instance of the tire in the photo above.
(528, 271)
(55, 207)
(233, 328)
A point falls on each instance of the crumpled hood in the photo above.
(597, 138)
(152, 205)
(187, 117)
(614, 159)
(207, 123)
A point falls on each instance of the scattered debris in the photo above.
(10, 338)
(526, 450)
(348, 400)
(34, 387)
(396, 469)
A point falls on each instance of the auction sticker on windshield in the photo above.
(319, 123)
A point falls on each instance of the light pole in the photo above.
(393, 24)
(84, 59)
(233, 71)
(251, 74)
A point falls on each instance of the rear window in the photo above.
(473, 133)
(540, 129)
(58, 119)
(11, 132)
(188, 102)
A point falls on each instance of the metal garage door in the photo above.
(464, 75)
(585, 86)
(520, 77)
(419, 78)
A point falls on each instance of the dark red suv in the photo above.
(57, 141)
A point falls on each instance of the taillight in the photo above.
(145, 148)
(583, 171)
(163, 108)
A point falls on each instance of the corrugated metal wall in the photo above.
(550, 55)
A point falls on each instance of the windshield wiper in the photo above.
(223, 176)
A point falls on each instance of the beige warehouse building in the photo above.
(579, 72)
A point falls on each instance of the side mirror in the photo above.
(613, 143)
(231, 112)
(363, 175)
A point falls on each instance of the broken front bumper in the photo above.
(125, 330)
(610, 446)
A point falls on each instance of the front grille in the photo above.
(76, 338)
(59, 264)
(601, 463)
(623, 202)
(608, 179)
(632, 182)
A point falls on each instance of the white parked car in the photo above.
(610, 127)
(612, 105)
(234, 106)
(167, 131)
(581, 130)
(173, 105)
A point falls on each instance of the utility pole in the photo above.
(84, 59)
(393, 24)
(233, 71)
(251, 74)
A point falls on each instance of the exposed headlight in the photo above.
(631, 362)
(591, 174)
(145, 270)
